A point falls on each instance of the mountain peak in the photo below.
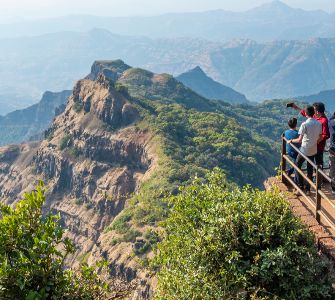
(273, 6)
(197, 80)
(112, 69)
(198, 70)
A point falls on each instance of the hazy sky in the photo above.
(11, 10)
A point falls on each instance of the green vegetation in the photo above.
(120, 88)
(32, 255)
(192, 136)
(151, 239)
(223, 243)
(78, 107)
(65, 141)
(75, 152)
(78, 201)
(200, 141)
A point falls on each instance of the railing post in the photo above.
(283, 161)
(318, 196)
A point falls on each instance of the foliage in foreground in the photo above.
(224, 243)
(32, 254)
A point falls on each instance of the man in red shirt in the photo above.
(321, 117)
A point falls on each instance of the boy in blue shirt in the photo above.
(291, 134)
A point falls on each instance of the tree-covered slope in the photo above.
(198, 133)
(223, 242)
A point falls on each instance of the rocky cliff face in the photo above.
(92, 163)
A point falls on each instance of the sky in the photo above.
(16, 10)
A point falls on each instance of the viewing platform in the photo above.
(316, 209)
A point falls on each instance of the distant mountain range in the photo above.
(197, 80)
(273, 20)
(327, 97)
(279, 69)
(23, 125)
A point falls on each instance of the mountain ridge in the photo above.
(286, 19)
(197, 80)
(115, 151)
(280, 69)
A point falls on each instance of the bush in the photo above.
(75, 152)
(120, 88)
(78, 107)
(222, 242)
(31, 259)
(65, 140)
(120, 224)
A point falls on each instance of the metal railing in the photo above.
(323, 207)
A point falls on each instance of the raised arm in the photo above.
(296, 107)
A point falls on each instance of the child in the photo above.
(291, 134)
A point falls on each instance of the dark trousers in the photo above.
(318, 158)
(293, 155)
(299, 180)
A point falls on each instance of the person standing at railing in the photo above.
(322, 118)
(332, 152)
(291, 134)
(310, 133)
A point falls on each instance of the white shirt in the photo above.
(310, 130)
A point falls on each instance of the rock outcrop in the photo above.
(92, 163)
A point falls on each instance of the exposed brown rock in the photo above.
(90, 171)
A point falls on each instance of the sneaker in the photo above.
(307, 192)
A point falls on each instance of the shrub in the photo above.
(222, 242)
(31, 259)
(65, 140)
(75, 152)
(120, 224)
(130, 236)
(78, 201)
(78, 107)
(88, 205)
(120, 88)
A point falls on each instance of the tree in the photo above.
(223, 242)
(32, 255)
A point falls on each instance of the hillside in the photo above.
(271, 21)
(23, 125)
(327, 97)
(197, 80)
(115, 151)
(279, 69)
